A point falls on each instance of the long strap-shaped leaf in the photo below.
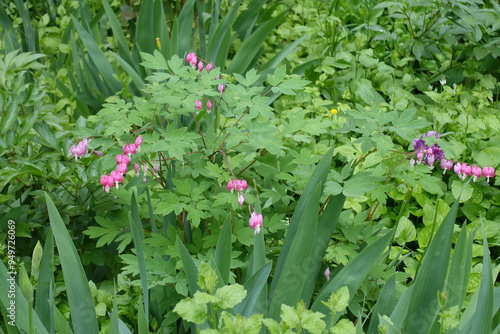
(20, 307)
(294, 275)
(80, 300)
(352, 275)
(251, 45)
(481, 321)
(318, 177)
(430, 278)
(138, 237)
(45, 281)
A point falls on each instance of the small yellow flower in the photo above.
(158, 43)
(334, 111)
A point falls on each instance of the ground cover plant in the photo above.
(249, 167)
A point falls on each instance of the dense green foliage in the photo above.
(316, 105)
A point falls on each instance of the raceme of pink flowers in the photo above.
(122, 161)
(240, 186)
(193, 60)
(431, 155)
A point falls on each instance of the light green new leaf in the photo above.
(230, 295)
(80, 300)
(192, 311)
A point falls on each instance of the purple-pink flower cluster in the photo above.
(122, 161)
(79, 149)
(432, 154)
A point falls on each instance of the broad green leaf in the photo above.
(456, 190)
(344, 326)
(405, 231)
(80, 300)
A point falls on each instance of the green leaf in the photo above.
(353, 274)
(251, 45)
(188, 266)
(384, 305)
(192, 311)
(481, 322)
(207, 277)
(80, 300)
(360, 183)
(222, 256)
(339, 300)
(278, 76)
(97, 57)
(405, 231)
(293, 276)
(230, 295)
(45, 283)
(344, 326)
(431, 277)
(460, 267)
(318, 177)
(253, 286)
(456, 190)
(289, 316)
(138, 237)
(249, 79)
